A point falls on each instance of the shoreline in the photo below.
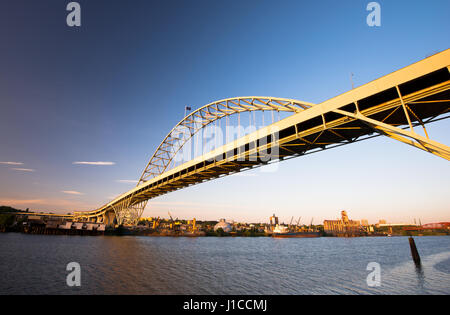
(119, 232)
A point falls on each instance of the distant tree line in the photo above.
(9, 209)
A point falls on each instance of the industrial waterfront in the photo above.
(13, 220)
(36, 264)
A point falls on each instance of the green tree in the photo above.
(6, 219)
(220, 232)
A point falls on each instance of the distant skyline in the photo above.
(83, 109)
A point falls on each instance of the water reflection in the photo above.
(420, 277)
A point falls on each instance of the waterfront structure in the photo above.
(392, 106)
(44, 225)
(437, 226)
(275, 220)
(394, 224)
(441, 228)
(343, 226)
(225, 226)
(41, 216)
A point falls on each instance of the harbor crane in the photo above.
(290, 224)
(298, 222)
(156, 223)
(173, 225)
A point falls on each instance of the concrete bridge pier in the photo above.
(109, 218)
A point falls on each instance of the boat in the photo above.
(282, 231)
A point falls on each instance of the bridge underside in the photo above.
(396, 108)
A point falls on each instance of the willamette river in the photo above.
(36, 264)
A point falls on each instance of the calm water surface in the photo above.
(36, 264)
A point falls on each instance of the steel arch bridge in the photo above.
(395, 106)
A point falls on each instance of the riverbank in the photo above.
(37, 225)
(132, 231)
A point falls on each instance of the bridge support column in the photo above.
(108, 218)
(127, 213)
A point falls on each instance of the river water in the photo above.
(36, 264)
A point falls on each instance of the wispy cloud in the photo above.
(11, 163)
(94, 163)
(72, 192)
(21, 201)
(53, 205)
(23, 169)
(127, 181)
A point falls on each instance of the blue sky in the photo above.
(112, 89)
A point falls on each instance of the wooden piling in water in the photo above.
(414, 252)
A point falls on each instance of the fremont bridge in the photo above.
(396, 105)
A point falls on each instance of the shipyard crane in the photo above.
(172, 224)
(175, 224)
(290, 224)
(298, 222)
(156, 223)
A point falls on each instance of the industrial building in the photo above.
(343, 226)
(225, 226)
